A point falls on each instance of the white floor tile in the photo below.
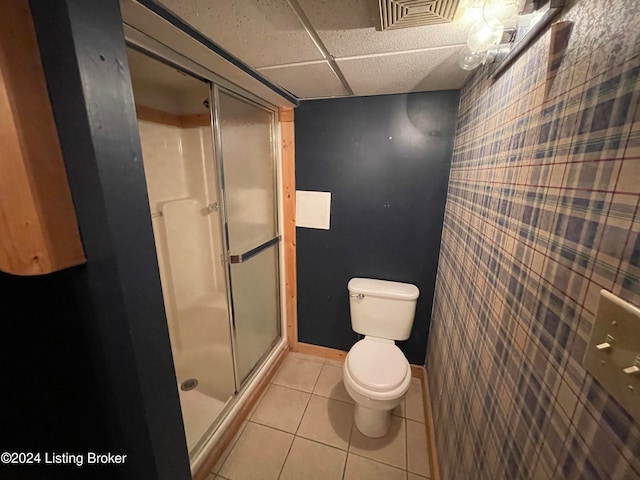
(360, 468)
(309, 460)
(414, 403)
(417, 451)
(298, 373)
(258, 455)
(281, 408)
(330, 384)
(390, 449)
(327, 421)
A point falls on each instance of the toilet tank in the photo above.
(383, 309)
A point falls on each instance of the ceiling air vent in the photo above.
(396, 14)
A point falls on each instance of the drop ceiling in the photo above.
(329, 48)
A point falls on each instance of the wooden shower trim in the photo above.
(149, 114)
(289, 211)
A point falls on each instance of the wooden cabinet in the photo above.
(38, 227)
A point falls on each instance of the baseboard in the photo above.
(417, 372)
(431, 437)
(216, 452)
(323, 352)
(340, 355)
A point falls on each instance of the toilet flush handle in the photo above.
(359, 296)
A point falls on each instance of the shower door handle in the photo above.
(243, 257)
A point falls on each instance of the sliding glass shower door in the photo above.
(245, 134)
(210, 165)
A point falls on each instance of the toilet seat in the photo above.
(377, 368)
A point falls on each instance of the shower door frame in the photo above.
(214, 99)
(154, 49)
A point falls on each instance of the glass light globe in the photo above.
(485, 34)
(470, 60)
(502, 10)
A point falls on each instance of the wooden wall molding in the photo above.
(38, 225)
(149, 114)
(340, 355)
(324, 352)
(289, 203)
(431, 436)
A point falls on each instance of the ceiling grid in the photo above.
(333, 48)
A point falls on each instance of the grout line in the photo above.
(301, 417)
(292, 388)
(286, 457)
(334, 399)
(380, 462)
(406, 443)
(384, 464)
(272, 427)
(317, 379)
(344, 471)
(323, 443)
(304, 412)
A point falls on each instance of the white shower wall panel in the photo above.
(165, 165)
(187, 236)
(197, 148)
(182, 189)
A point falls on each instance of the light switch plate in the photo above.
(617, 324)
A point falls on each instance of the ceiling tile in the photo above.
(347, 28)
(307, 81)
(261, 33)
(405, 72)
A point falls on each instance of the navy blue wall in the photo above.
(385, 160)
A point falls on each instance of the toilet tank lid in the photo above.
(383, 288)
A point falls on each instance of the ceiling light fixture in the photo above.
(503, 10)
(502, 29)
(485, 34)
(488, 29)
(470, 60)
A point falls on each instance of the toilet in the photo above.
(376, 373)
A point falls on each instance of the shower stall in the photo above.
(209, 156)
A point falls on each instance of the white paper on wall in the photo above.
(313, 209)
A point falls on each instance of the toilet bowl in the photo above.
(376, 376)
(376, 373)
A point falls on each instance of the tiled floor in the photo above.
(302, 429)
